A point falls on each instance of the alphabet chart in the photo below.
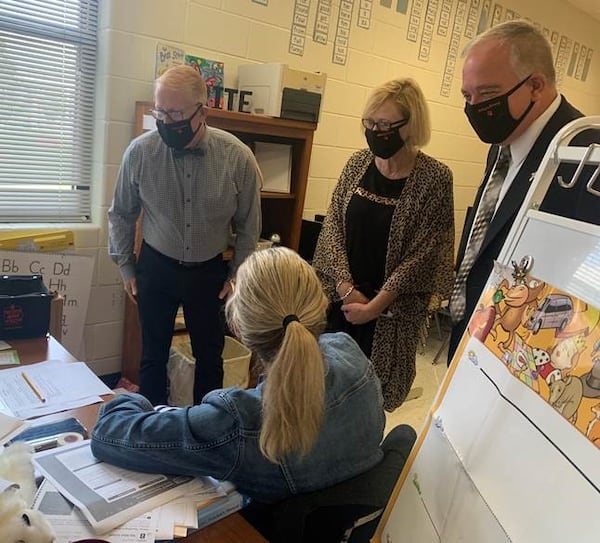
(69, 275)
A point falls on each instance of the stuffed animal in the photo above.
(18, 523)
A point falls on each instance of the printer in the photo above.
(281, 91)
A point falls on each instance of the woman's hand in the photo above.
(355, 297)
(359, 313)
(366, 310)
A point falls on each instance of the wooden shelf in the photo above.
(281, 211)
(277, 195)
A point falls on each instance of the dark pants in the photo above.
(163, 285)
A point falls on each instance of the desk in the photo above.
(40, 349)
(231, 529)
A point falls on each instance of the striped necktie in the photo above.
(483, 217)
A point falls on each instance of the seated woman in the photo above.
(315, 419)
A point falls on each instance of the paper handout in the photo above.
(48, 387)
(107, 495)
(70, 525)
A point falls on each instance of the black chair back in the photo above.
(348, 511)
(309, 234)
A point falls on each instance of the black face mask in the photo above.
(178, 135)
(492, 119)
(385, 144)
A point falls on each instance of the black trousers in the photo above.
(458, 330)
(163, 285)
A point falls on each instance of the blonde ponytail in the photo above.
(293, 395)
(271, 285)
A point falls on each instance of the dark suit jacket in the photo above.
(576, 203)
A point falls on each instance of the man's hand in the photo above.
(226, 290)
(130, 286)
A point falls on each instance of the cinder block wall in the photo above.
(242, 31)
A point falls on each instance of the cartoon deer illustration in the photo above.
(520, 300)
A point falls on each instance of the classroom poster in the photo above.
(511, 449)
(167, 57)
(212, 71)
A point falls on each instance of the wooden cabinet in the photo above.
(281, 212)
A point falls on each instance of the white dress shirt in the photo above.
(519, 149)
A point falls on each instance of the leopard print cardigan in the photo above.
(418, 265)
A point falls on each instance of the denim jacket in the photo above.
(220, 436)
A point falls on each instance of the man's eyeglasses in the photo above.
(383, 126)
(174, 116)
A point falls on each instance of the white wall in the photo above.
(242, 31)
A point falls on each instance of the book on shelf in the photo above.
(167, 57)
(212, 72)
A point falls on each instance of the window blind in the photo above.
(47, 79)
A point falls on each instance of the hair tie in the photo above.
(289, 318)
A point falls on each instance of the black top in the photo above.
(368, 220)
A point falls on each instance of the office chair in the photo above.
(346, 512)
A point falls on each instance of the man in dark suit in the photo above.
(512, 102)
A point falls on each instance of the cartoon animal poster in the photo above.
(510, 451)
(548, 339)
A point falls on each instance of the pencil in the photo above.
(33, 387)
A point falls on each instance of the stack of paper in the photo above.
(98, 498)
(70, 525)
(177, 517)
(48, 387)
(221, 507)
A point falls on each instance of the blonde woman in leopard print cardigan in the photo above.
(387, 242)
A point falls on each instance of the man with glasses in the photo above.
(512, 102)
(196, 185)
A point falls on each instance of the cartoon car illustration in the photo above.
(554, 312)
